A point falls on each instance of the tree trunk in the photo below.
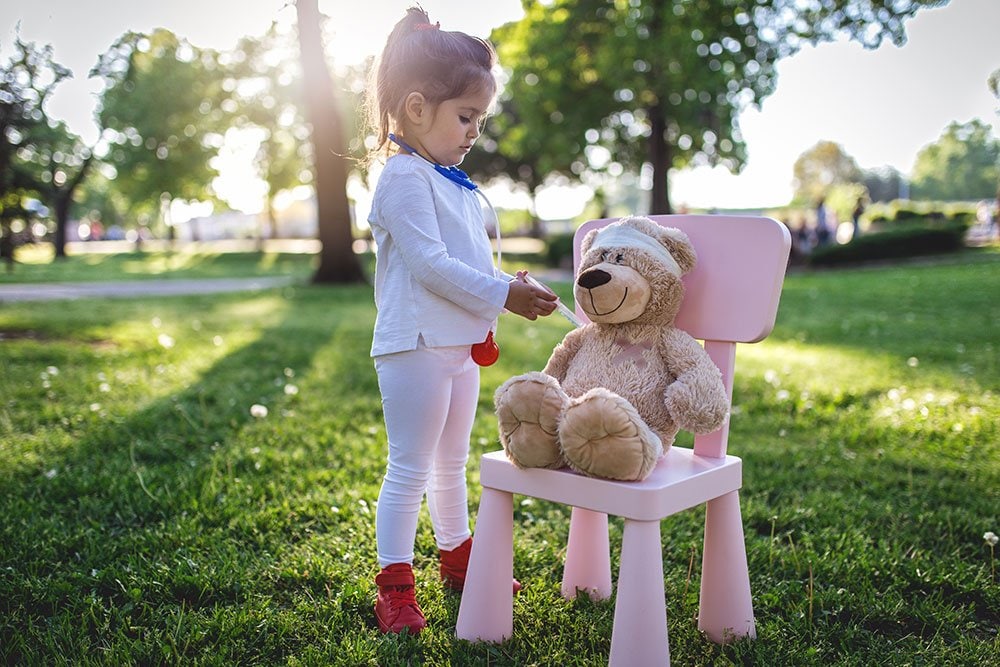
(63, 200)
(62, 203)
(7, 247)
(338, 263)
(660, 158)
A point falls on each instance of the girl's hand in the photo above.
(527, 300)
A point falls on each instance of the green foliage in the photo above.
(163, 110)
(896, 243)
(188, 263)
(843, 198)
(821, 169)
(147, 517)
(26, 82)
(270, 98)
(963, 164)
(608, 86)
(903, 211)
(559, 250)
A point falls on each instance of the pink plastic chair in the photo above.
(731, 297)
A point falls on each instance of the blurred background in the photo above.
(139, 122)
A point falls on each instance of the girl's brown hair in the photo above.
(419, 57)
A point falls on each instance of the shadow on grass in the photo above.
(163, 265)
(180, 510)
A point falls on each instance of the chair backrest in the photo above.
(731, 296)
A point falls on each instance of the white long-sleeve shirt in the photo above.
(434, 271)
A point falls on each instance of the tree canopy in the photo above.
(267, 82)
(820, 168)
(164, 110)
(963, 164)
(39, 158)
(658, 81)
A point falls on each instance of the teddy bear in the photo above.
(615, 391)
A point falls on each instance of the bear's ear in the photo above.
(679, 246)
(587, 241)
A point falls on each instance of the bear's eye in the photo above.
(614, 258)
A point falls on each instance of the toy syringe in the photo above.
(560, 306)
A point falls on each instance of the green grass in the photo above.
(147, 517)
(191, 261)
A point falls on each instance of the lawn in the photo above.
(187, 262)
(147, 516)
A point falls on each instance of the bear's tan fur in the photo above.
(615, 392)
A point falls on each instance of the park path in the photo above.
(139, 288)
(135, 288)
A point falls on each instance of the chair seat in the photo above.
(680, 480)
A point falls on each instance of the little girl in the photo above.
(438, 293)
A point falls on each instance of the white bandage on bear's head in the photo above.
(623, 235)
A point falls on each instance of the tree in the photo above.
(663, 82)
(820, 168)
(26, 82)
(963, 164)
(98, 200)
(60, 161)
(338, 263)
(163, 110)
(267, 82)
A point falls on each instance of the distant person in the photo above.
(823, 232)
(807, 239)
(859, 210)
(995, 224)
(986, 220)
(437, 294)
(802, 238)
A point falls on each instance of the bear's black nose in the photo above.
(593, 278)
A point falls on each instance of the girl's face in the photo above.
(446, 132)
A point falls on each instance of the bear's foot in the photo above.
(602, 435)
(528, 409)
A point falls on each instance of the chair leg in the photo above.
(639, 636)
(486, 612)
(588, 558)
(725, 608)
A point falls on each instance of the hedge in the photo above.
(908, 241)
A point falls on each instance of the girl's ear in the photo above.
(416, 108)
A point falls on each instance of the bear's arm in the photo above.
(564, 353)
(697, 398)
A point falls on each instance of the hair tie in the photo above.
(427, 26)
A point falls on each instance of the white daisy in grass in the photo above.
(257, 410)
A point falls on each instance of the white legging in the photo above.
(429, 398)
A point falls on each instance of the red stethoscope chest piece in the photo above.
(487, 352)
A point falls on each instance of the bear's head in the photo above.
(630, 271)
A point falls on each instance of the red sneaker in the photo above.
(454, 565)
(396, 608)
